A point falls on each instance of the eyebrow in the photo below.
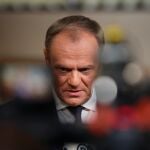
(57, 66)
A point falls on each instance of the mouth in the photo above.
(73, 93)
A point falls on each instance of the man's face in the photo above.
(74, 65)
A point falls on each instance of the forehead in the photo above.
(83, 45)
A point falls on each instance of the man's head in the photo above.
(72, 48)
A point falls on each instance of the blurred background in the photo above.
(125, 56)
(23, 24)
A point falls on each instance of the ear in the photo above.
(46, 54)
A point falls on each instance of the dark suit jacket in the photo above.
(37, 121)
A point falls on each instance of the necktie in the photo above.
(76, 112)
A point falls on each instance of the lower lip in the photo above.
(74, 94)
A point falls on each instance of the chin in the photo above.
(74, 101)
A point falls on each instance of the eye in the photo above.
(63, 70)
(84, 70)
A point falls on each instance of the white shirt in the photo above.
(89, 109)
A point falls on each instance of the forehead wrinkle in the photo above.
(72, 59)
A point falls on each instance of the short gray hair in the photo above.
(74, 23)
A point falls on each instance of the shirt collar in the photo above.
(90, 104)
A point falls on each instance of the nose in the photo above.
(74, 79)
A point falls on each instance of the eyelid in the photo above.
(63, 69)
(84, 69)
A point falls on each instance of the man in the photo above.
(72, 49)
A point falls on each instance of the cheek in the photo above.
(88, 81)
(59, 81)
